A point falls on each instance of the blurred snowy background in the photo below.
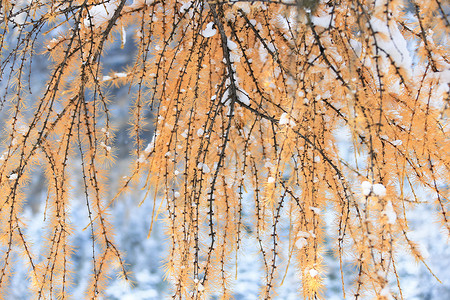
(144, 256)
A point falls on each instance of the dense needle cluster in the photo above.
(250, 99)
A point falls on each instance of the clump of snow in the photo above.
(106, 147)
(225, 97)
(285, 119)
(200, 132)
(313, 273)
(231, 45)
(200, 287)
(379, 190)
(52, 43)
(270, 180)
(13, 176)
(106, 78)
(140, 3)
(366, 188)
(100, 14)
(185, 133)
(300, 243)
(209, 30)
(262, 53)
(390, 213)
(243, 97)
(204, 167)
(141, 159)
(150, 146)
(235, 55)
(397, 142)
(271, 47)
(120, 75)
(324, 21)
(185, 6)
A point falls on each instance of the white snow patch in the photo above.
(366, 188)
(150, 146)
(379, 190)
(100, 14)
(300, 243)
(200, 287)
(107, 148)
(243, 97)
(200, 132)
(270, 179)
(140, 3)
(204, 167)
(141, 159)
(271, 47)
(357, 46)
(313, 272)
(120, 75)
(209, 30)
(324, 21)
(285, 119)
(231, 45)
(185, 6)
